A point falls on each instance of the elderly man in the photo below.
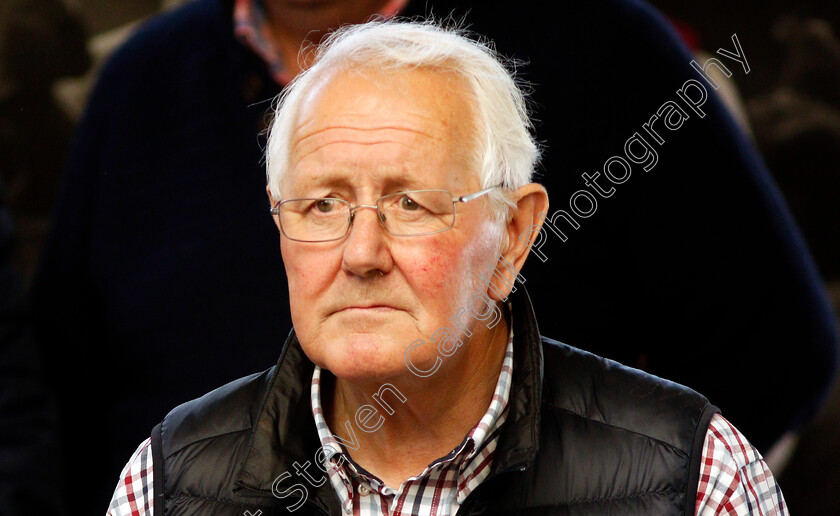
(415, 381)
(145, 267)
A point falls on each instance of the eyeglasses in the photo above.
(411, 213)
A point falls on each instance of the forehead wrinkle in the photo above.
(316, 132)
(353, 142)
(303, 139)
(356, 121)
(305, 146)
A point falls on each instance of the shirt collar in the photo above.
(251, 28)
(478, 445)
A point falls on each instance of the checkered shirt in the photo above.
(134, 494)
(734, 478)
(252, 30)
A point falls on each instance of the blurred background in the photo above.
(51, 50)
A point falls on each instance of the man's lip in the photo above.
(378, 308)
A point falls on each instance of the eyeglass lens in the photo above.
(402, 214)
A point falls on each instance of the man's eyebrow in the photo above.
(324, 179)
(399, 182)
(392, 181)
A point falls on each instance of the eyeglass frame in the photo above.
(275, 210)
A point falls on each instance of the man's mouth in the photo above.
(372, 308)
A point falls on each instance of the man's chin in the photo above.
(364, 358)
(366, 374)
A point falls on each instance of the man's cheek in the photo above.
(436, 274)
(309, 276)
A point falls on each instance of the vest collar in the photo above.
(284, 431)
(520, 438)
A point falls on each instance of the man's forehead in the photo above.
(394, 121)
(368, 99)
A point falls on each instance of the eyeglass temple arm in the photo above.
(470, 197)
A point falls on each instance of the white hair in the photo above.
(504, 148)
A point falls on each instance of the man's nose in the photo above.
(367, 250)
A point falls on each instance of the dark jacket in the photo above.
(589, 437)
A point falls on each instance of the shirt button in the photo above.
(364, 490)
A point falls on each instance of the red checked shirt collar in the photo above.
(443, 486)
(252, 30)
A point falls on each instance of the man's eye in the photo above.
(325, 205)
(408, 204)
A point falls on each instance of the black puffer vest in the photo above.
(589, 436)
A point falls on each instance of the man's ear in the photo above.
(521, 234)
(271, 203)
